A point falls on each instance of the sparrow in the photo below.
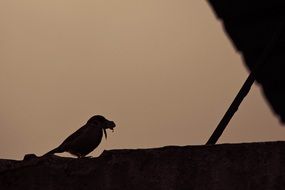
(85, 139)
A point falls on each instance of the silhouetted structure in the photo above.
(252, 26)
(220, 167)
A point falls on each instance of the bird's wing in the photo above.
(72, 137)
(69, 140)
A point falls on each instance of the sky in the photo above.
(163, 70)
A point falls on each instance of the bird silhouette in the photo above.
(85, 139)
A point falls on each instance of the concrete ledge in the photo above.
(226, 166)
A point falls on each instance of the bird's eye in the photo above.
(95, 122)
(97, 119)
(100, 118)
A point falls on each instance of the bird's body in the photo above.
(85, 139)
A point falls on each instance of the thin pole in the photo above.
(245, 87)
(232, 109)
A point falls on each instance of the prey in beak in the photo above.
(108, 125)
(105, 133)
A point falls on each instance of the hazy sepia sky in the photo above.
(163, 70)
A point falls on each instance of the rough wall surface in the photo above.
(222, 167)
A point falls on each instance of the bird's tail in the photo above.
(56, 150)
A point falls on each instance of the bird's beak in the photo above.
(112, 125)
(105, 133)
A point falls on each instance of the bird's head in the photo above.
(102, 122)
